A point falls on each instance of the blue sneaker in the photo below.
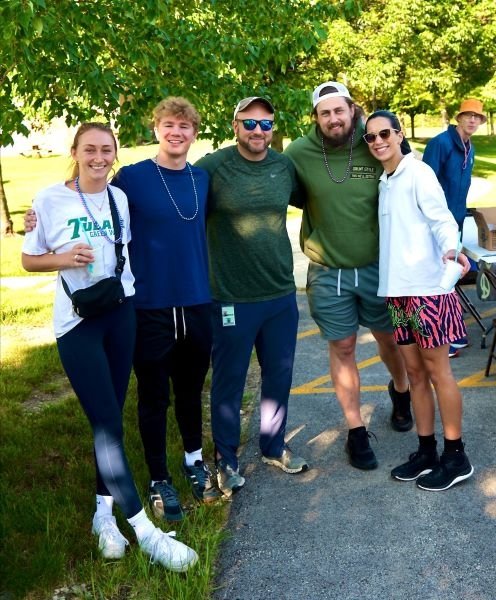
(164, 501)
(453, 352)
(461, 343)
(200, 479)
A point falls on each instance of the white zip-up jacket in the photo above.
(416, 230)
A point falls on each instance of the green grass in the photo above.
(46, 456)
(25, 176)
(46, 459)
(484, 166)
(47, 481)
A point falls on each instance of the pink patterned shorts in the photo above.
(428, 321)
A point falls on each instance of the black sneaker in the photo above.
(200, 479)
(419, 463)
(359, 451)
(401, 417)
(164, 501)
(452, 469)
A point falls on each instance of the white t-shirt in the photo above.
(62, 222)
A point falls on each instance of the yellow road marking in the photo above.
(321, 385)
(314, 386)
(308, 333)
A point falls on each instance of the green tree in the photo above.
(117, 59)
(413, 56)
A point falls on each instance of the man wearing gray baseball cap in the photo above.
(254, 293)
(340, 236)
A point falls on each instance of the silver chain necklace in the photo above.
(170, 195)
(347, 172)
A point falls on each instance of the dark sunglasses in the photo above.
(384, 134)
(250, 124)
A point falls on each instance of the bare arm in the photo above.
(79, 256)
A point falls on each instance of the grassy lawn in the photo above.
(46, 458)
(47, 477)
(484, 166)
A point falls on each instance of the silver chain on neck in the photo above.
(170, 195)
(348, 168)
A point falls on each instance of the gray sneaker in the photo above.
(164, 501)
(288, 462)
(228, 479)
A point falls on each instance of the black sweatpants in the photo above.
(171, 343)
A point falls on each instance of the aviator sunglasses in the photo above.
(250, 124)
(384, 134)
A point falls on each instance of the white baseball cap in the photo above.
(336, 90)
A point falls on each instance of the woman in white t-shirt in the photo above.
(75, 235)
(418, 237)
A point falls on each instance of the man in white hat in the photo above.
(340, 236)
(451, 156)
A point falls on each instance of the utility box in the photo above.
(486, 227)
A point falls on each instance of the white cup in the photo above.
(451, 275)
(97, 267)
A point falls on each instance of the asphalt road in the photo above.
(335, 532)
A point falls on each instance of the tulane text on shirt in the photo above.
(82, 224)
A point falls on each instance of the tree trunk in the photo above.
(445, 118)
(6, 223)
(277, 139)
(412, 125)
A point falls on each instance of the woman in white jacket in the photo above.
(418, 236)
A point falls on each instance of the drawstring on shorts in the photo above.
(339, 280)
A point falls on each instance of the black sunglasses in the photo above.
(250, 124)
(384, 134)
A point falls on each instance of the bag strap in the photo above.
(121, 260)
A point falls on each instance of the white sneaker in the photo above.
(165, 550)
(111, 542)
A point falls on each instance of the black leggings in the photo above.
(97, 357)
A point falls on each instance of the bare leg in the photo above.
(420, 389)
(449, 398)
(392, 358)
(346, 379)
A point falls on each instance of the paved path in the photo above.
(337, 533)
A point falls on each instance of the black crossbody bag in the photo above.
(107, 293)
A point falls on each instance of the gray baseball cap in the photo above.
(245, 103)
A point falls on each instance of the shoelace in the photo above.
(166, 491)
(157, 538)
(109, 530)
(371, 434)
(201, 473)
